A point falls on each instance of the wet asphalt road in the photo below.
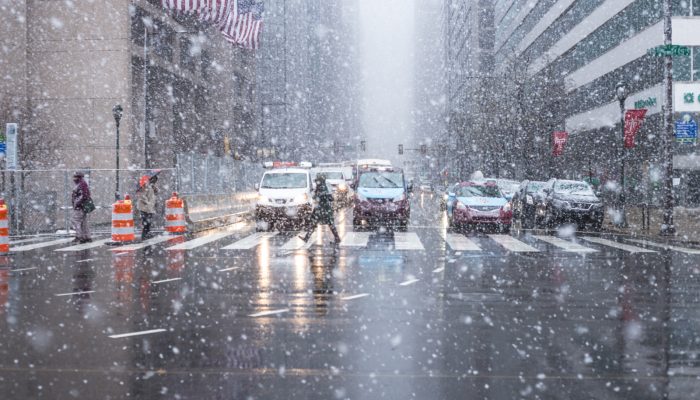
(424, 316)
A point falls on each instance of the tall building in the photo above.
(583, 49)
(469, 65)
(308, 80)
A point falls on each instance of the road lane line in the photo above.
(565, 244)
(34, 239)
(145, 243)
(22, 269)
(461, 243)
(409, 282)
(438, 270)
(666, 246)
(512, 244)
(85, 260)
(229, 269)
(139, 333)
(407, 241)
(41, 245)
(616, 245)
(85, 246)
(356, 296)
(194, 243)
(166, 280)
(296, 243)
(355, 239)
(271, 312)
(75, 293)
(251, 241)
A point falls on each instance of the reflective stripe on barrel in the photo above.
(4, 229)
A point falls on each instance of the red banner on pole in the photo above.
(633, 122)
(560, 138)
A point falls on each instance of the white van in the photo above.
(284, 195)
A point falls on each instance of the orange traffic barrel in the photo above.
(123, 221)
(4, 229)
(175, 215)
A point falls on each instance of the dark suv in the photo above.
(570, 201)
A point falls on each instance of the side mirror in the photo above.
(257, 186)
(410, 187)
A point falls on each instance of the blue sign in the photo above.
(3, 149)
(686, 130)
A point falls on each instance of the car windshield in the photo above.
(478, 191)
(331, 174)
(581, 188)
(287, 180)
(382, 179)
(534, 187)
(508, 186)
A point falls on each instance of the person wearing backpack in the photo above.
(82, 206)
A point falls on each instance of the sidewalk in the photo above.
(687, 221)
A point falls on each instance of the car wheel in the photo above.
(598, 226)
(356, 224)
(403, 225)
(505, 229)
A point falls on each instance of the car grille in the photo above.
(581, 206)
(379, 201)
(484, 208)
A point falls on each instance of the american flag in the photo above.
(244, 24)
(240, 21)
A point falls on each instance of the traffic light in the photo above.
(400, 149)
(363, 145)
(423, 149)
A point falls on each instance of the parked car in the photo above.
(508, 187)
(525, 202)
(474, 204)
(570, 201)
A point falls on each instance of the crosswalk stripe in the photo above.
(407, 241)
(512, 244)
(41, 245)
(461, 243)
(621, 246)
(29, 240)
(355, 239)
(85, 246)
(666, 246)
(145, 243)
(565, 244)
(201, 241)
(251, 241)
(295, 243)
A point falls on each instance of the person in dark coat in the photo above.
(79, 197)
(323, 212)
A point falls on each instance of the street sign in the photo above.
(559, 141)
(11, 151)
(686, 130)
(3, 146)
(672, 50)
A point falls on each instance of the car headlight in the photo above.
(402, 197)
(507, 207)
(460, 206)
(342, 187)
(529, 200)
(263, 199)
(302, 198)
(360, 197)
(560, 203)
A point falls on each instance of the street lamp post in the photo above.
(621, 91)
(117, 112)
(668, 227)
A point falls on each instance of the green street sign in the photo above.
(672, 50)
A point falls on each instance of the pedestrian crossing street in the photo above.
(398, 241)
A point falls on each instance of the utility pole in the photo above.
(668, 228)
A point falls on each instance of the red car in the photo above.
(479, 203)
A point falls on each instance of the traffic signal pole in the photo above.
(668, 228)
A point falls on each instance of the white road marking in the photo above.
(296, 243)
(355, 239)
(22, 269)
(356, 296)
(85, 246)
(407, 241)
(75, 293)
(409, 282)
(34, 239)
(271, 312)
(166, 280)
(139, 333)
(145, 243)
(194, 243)
(438, 270)
(251, 241)
(461, 243)
(666, 246)
(621, 246)
(41, 245)
(512, 244)
(85, 260)
(565, 244)
(228, 269)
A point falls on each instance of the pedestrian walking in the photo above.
(82, 206)
(146, 203)
(323, 212)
